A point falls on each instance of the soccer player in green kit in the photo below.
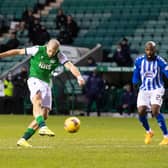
(44, 59)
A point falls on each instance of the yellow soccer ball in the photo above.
(72, 124)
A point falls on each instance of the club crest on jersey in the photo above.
(44, 66)
(52, 61)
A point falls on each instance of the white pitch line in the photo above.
(123, 145)
(34, 147)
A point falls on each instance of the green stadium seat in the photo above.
(53, 11)
(72, 87)
(137, 20)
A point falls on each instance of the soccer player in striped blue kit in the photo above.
(148, 70)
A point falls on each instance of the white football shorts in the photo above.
(147, 98)
(35, 85)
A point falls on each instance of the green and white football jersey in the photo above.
(41, 65)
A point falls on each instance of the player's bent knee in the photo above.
(155, 110)
(155, 113)
(142, 111)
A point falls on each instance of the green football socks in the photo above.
(29, 132)
(40, 121)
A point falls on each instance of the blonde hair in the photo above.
(54, 43)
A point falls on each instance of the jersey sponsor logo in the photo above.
(149, 74)
(166, 68)
(45, 66)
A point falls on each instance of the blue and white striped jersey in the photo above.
(149, 73)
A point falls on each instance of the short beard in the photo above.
(151, 58)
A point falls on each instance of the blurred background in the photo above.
(102, 37)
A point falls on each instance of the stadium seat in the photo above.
(138, 20)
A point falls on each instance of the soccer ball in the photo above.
(72, 124)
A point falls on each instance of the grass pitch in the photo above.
(102, 142)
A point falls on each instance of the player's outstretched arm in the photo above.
(12, 52)
(74, 70)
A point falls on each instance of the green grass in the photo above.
(103, 142)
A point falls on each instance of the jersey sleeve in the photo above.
(62, 58)
(31, 50)
(163, 66)
(136, 73)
